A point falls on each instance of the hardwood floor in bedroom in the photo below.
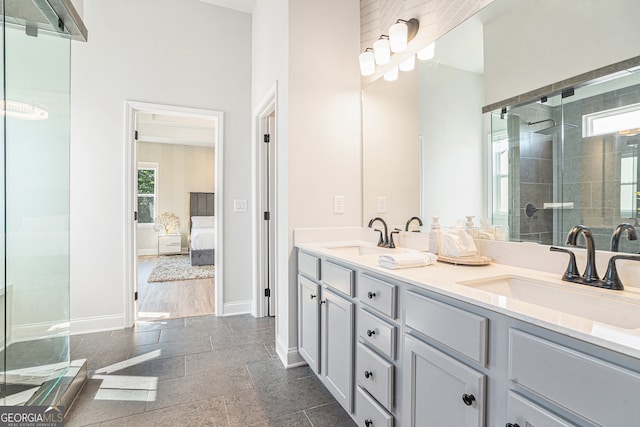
(169, 300)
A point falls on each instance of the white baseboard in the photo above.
(237, 307)
(144, 252)
(97, 324)
(33, 331)
(290, 357)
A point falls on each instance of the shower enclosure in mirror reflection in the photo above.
(35, 211)
(569, 159)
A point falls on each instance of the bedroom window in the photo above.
(147, 193)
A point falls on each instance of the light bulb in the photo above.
(398, 33)
(367, 63)
(408, 64)
(427, 52)
(391, 75)
(382, 51)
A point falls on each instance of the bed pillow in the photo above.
(203, 221)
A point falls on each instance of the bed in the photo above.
(202, 229)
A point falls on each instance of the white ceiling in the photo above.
(241, 5)
(174, 129)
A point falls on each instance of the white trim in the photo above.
(131, 107)
(31, 331)
(266, 107)
(290, 357)
(237, 307)
(85, 325)
(145, 252)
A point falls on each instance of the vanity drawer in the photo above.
(369, 413)
(375, 375)
(377, 332)
(337, 277)
(378, 295)
(574, 380)
(458, 329)
(309, 265)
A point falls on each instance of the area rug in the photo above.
(178, 267)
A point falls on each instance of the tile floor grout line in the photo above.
(226, 410)
(307, 416)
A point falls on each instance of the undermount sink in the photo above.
(586, 303)
(363, 250)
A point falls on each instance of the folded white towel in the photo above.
(457, 243)
(407, 260)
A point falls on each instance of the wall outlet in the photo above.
(382, 204)
(239, 205)
(338, 204)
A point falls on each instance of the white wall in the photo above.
(177, 52)
(181, 169)
(544, 42)
(453, 144)
(318, 151)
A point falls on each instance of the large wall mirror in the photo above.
(429, 151)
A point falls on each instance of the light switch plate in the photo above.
(382, 204)
(338, 204)
(239, 205)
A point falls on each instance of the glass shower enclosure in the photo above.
(34, 299)
(568, 159)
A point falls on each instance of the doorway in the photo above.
(266, 215)
(173, 153)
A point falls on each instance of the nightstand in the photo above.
(169, 244)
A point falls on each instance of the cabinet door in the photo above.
(337, 316)
(439, 390)
(309, 325)
(524, 413)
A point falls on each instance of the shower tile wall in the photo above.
(592, 168)
(536, 174)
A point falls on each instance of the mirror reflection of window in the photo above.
(628, 185)
(500, 150)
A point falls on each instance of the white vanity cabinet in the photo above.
(309, 322)
(376, 351)
(438, 388)
(336, 314)
(326, 324)
(522, 412)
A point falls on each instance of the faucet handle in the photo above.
(611, 280)
(571, 273)
(395, 231)
(380, 238)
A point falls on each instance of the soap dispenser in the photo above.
(435, 236)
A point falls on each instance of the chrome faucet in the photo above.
(383, 240)
(590, 275)
(413, 218)
(615, 238)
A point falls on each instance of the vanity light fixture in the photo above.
(367, 62)
(391, 75)
(382, 50)
(408, 64)
(427, 52)
(401, 33)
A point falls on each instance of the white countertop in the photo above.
(443, 279)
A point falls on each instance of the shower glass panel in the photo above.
(572, 159)
(35, 213)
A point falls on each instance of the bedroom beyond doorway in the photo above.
(175, 248)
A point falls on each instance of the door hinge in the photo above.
(267, 292)
(135, 135)
(567, 93)
(135, 215)
(135, 296)
(267, 138)
(267, 216)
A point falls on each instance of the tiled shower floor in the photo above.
(197, 371)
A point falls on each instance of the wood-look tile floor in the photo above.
(197, 371)
(170, 300)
